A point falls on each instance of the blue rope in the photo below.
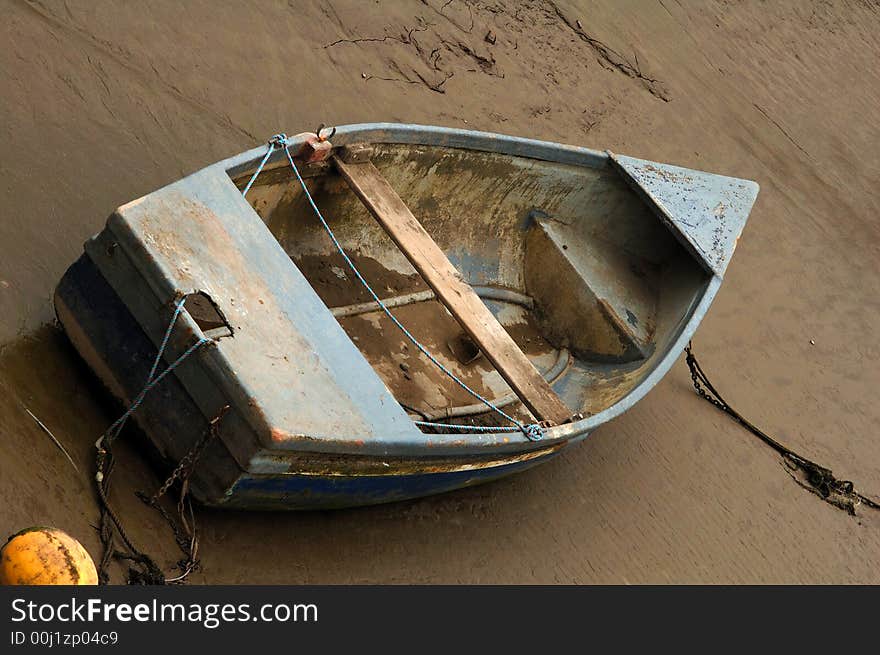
(178, 307)
(152, 379)
(276, 140)
(534, 431)
(259, 170)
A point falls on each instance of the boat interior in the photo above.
(577, 268)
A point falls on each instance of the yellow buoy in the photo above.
(45, 556)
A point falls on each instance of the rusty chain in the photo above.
(188, 461)
(185, 533)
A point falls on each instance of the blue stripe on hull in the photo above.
(294, 491)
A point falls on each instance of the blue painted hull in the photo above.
(338, 491)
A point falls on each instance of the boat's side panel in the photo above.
(295, 491)
(429, 135)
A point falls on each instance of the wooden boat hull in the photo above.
(315, 417)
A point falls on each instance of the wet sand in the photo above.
(104, 102)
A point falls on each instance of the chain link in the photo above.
(185, 533)
(188, 461)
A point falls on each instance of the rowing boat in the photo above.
(393, 311)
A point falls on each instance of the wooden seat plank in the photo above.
(459, 298)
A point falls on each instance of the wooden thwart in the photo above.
(463, 303)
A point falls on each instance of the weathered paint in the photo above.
(297, 491)
(288, 355)
(706, 211)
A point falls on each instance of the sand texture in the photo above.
(102, 102)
